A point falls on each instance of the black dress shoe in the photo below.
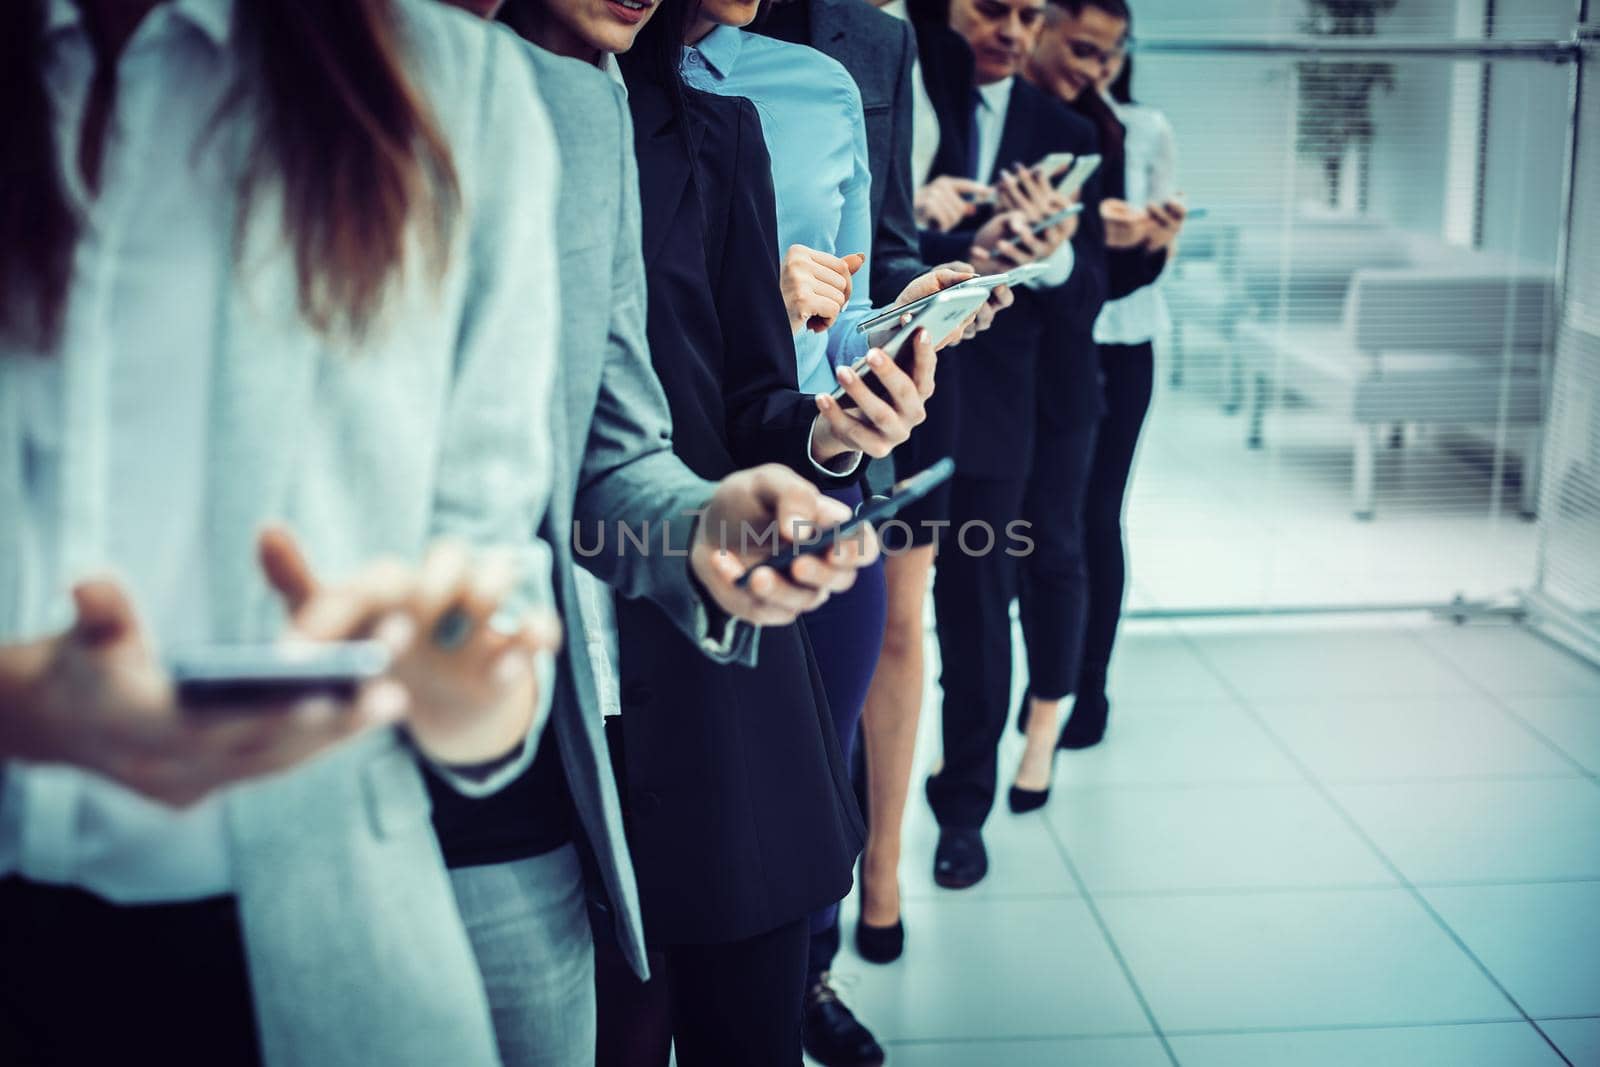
(832, 1035)
(1086, 726)
(960, 860)
(880, 944)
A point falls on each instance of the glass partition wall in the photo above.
(1355, 400)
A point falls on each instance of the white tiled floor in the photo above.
(1311, 846)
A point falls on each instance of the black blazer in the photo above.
(740, 812)
(947, 75)
(1128, 269)
(995, 373)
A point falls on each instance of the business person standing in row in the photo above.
(202, 330)
(513, 859)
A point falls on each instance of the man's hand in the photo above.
(751, 513)
(816, 287)
(1007, 241)
(467, 667)
(97, 698)
(946, 201)
(935, 280)
(1025, 190)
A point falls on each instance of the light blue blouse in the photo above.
(816, 133)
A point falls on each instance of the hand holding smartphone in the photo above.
(877, 510)
(939, 314)
(244, 676)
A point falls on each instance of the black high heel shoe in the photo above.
(1023, 801)
(880, 944)
(1086, 726)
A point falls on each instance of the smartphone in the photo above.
(1056, 219)
(1054, 163)
(1194, 213)
(944, 311)
(887, 317)
(878, 509)
(246, 675)
(1082, 168)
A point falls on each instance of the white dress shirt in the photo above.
(994, 102)
(1152, 176)
(148, 273)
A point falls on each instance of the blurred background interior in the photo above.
(1348, 808)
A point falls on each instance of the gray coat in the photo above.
(613, 433)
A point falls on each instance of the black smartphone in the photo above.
(878, 509)
(232, 676)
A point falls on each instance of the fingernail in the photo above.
(511, 668)
(396, 632)
(846, 375)
(387, 701)
(876, 358)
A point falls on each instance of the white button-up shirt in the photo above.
(150, 266)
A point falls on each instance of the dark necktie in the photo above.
(973, 137)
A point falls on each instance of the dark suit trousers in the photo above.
(972, 594)
(84, 981)
(1054, 585)
(1130, 378)
(714, 1005)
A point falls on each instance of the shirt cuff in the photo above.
(487, 779)
(1058, 266)
(855, 461)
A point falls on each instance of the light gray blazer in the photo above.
(613, 434)
(440, 427)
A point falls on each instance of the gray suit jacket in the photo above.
(614, 458)
(878, 50)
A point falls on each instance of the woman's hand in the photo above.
(96, 697)
(1166, 221)
(1026, 191)
(1126, 226)
(946, 201)
(732, 537)
(467, 667)
(816, 287)
(875, 425)
(935, 280)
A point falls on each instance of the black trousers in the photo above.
(724, 1005)
(84, 981)
(1129, 375)
(974, 582)
(1053, 590)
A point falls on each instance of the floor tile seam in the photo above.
(1111, 943)
(1497, 699)
(1019, 1039)
(1345, 887)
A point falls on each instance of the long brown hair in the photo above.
(341, 131)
